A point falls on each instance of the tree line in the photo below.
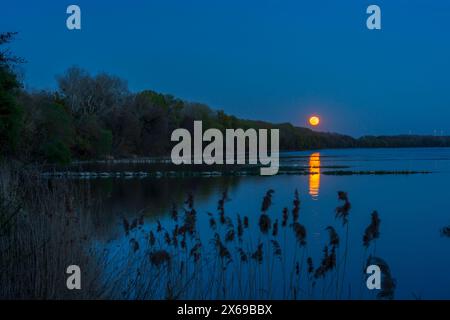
(97, 116)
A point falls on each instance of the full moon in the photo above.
(314, 121)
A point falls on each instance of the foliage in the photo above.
(10, 111)
(96, 116)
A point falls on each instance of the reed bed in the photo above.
(47, 225)
(41, 234)
(234, 257)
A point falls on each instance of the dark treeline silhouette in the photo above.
(96, 116)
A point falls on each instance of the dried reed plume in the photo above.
(175, 236)
(240, 228)
(276, 248)
(300, 233)
(333, 236)
(190, 216)
(310, 264)
(159, 226)
(212, 221)
(196, 251)
(296, 209)
(224, 253)
(160, 257)
(134, 245)
(167, 238)
(246, 222)
(258, 254)
(230, 230)
(285, 217)
(275, 228)
(264, 223)
(267, 200)
(445, 232)
(221, 206)
(373, 230)
(388, 283)
(328, 262)
(343, 211)
(190, 201)
(243, 255)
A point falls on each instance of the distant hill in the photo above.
(300, 138)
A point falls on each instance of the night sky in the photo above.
(279, 61)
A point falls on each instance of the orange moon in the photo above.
(314, 121)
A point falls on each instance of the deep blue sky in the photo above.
(271, 60)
